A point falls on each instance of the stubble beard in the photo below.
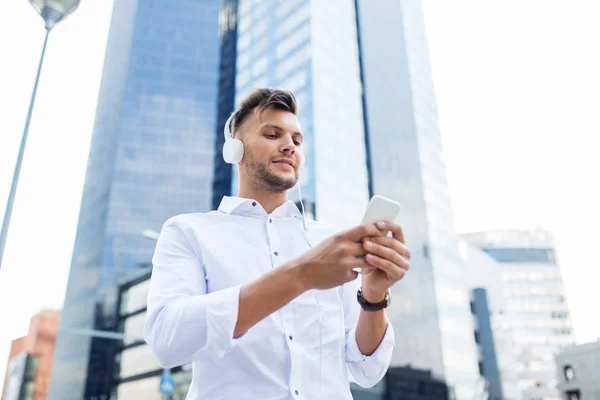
(261, 177)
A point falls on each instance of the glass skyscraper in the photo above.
(151, 157)
(434, 326)
(360, 70)
(310, 48)
(535, 309)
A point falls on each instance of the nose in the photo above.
(289, 147)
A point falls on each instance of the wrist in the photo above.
(301, 281)
(373, 296)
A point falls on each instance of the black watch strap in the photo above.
(372, 306)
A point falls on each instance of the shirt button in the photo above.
(295, 391)
(291, 337)
(276, 253)
(253, 204)
(270, 220)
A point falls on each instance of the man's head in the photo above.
(267, 123)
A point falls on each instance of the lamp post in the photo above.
(52, 11)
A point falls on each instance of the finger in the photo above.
(355, 249)
(352, 262)
(397, 232)
(351, 275)
(386, 253)
(358, 232)
(393, 272)
(393, 244)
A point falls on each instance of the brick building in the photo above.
(30, 361)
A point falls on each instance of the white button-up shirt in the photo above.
(305, 350)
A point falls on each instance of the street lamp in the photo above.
(52, 11)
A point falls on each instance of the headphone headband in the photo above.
(227, 133)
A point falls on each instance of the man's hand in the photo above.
(389, 256)
(331, 263)
(325, 266)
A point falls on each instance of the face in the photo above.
(272, 150)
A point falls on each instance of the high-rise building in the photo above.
(434, 324)
(368, 112)
(30, 359)
(151, 157)
(293, 45)
(535, 310)
(497, 363)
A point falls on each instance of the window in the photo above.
(477, 340)
(481, 370)
(133, 327)
(573, 395)
(135, 298)
(522, 255)
(138, 360)
(292, 41)
(569, 373)
(295, 82)
(29, 390)
(259, 66)
(140, 389)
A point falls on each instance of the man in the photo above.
(263, 309)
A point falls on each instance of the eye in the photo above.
(270, 135)
(297, 142)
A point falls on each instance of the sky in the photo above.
(518, 92)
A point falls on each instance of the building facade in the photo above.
(30, 359)
(151, 157)
(434, 322)
(484, 337)
(535, 309)
(484, 278)
(578, 372)
(136, 372)
(291, 45)
(368, 113)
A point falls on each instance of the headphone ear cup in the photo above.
(233, 151)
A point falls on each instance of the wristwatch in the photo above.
(372, 306)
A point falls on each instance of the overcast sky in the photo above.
(518, 90)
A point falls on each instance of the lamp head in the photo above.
(54, 11)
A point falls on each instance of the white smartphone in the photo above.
(381, 209)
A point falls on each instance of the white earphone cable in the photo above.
(316, 292)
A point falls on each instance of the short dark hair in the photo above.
(261, 100)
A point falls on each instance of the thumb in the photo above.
(357, 233)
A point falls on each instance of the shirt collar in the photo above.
(249, 207)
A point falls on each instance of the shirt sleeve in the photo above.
(183, 321)
(364, 370)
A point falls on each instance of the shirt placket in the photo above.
(286, 314)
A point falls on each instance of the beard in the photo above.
(262, 178)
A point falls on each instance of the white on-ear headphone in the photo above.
(233, 149)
